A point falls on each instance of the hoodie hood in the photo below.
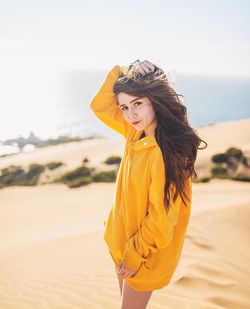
(137, 144)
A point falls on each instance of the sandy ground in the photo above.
(52, 252)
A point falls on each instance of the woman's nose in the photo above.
(132, 115)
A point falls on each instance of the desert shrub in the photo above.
(219, 171)
(241, 177)
(205, 179)
(234, 153)
(245, 161)
(77, 177)
(12, 175)
(85, 160)
(33, 174)
(105, 176)
(16, 175)
(219, 158)
(53, 165)
(113, 160)
(12, 169)
(78, 182)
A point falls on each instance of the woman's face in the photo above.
(135, 109)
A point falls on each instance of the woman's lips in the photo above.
(136, 122)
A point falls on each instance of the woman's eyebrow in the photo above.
(130, 101)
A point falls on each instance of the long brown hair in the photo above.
(177, 140)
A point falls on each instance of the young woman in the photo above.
(146, 226)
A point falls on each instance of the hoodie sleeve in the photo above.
(104, 104)
(157, 229)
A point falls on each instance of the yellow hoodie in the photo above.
(139, 232)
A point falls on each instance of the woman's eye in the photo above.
(139, 103)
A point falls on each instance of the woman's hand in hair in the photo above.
(145, 67)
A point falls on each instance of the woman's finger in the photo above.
(151, 67)
(122, 271)
(119, 270)
(148, 63)
(119, 266)
(144, 68)
(142, 71)
(124, 275)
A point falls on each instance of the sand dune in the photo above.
(218, 136)
(49, 259)
(52, 252)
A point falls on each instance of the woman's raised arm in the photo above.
(105, 106)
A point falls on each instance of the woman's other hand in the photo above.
(124, 272)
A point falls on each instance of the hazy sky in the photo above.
(199, 36)
(41, 39)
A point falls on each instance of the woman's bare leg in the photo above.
(134, 299)
(120, 279)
